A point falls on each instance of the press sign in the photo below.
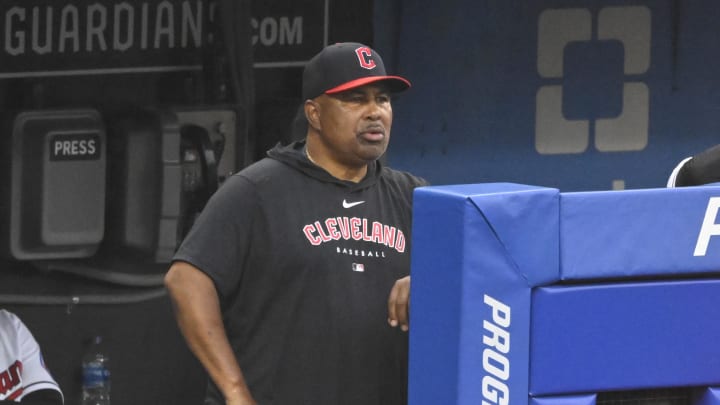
(75, 147)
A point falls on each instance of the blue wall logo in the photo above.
(593, 66)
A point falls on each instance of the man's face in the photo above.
(354, 125)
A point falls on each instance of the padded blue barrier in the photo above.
(521, 294)
(476, 253)
(565, 400)
(624, 336)
(709, 396)
(650, 232)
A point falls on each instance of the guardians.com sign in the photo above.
(46, 38)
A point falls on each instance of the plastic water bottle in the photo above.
(95, 375)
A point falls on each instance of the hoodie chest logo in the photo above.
(354, 229)
(351, 204)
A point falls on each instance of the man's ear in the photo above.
(312, 113)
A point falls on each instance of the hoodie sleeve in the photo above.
(219, 240)
(703, 168)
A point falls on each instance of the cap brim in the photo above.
(396, 84)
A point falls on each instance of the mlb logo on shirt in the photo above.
(358, 267)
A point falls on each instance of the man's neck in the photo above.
(340, 172)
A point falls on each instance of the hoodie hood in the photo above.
(294, 156)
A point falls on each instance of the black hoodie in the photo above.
(304, 264)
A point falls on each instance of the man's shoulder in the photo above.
(262, 168)
(11, 327)
(8, 318)
(265, 170)
(264, 176)
(403, 178)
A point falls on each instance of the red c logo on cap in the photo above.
(364, 55)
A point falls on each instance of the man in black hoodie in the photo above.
(292, 287)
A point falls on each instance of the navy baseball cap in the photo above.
(344, 66)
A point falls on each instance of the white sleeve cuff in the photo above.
(673, 175)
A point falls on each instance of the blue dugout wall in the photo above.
(576, 95)
(525, 295)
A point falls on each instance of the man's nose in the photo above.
(373, 111)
